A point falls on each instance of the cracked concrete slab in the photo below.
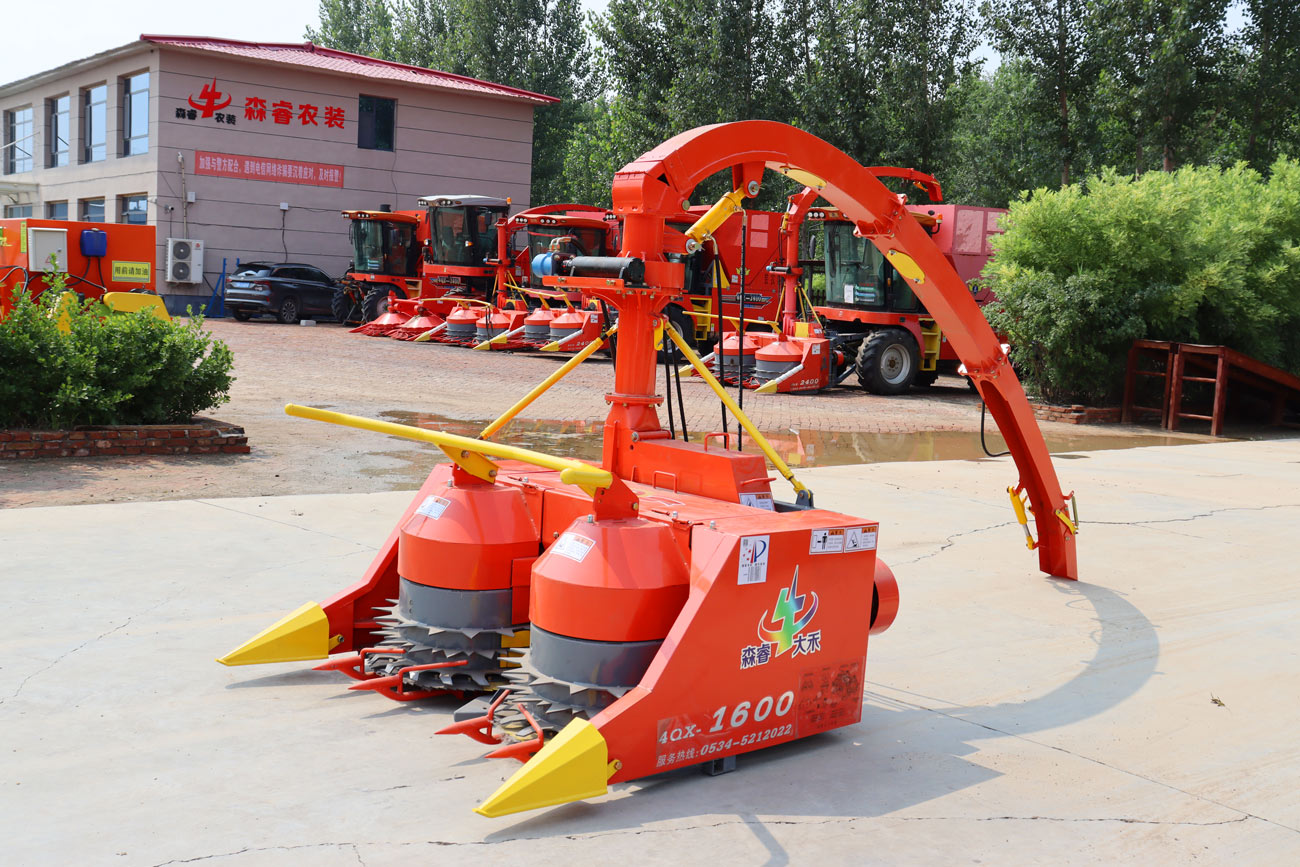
(1007, 717)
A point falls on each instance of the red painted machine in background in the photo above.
(865, 319)
(97, 257)
(387, 249)
(532, 245)
(457, 235)
(660, 609)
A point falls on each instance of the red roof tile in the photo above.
(319, 57)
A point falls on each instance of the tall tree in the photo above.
(1004, 138)
(536, 45)
(833, 58)
(1272, 37)
(929, 46)
(1055, 40)
(1159, 72)
(358, 26)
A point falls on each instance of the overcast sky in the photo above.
(86, 27)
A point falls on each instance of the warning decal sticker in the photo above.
(433, 507)
(573, 546)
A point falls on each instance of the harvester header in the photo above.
(662, 608)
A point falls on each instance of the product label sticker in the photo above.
(573, 546)
(828, 541)
(848, 293)
(433, 507)
(758, 501)
(860, 539)
(753, 559)
(817, 349)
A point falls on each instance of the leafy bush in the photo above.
(108, 369)
(1200, 255)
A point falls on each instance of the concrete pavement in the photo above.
(1008, 717)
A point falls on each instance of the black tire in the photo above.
(375, 304)
(887, 362)
(677, 316)
(241, 315)
(685, 324)
(926, 378)
(289, 313)
(344, 307)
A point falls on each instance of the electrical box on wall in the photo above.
(43, 242)
(184, 260)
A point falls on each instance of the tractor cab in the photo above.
(385, 243)
(385, 261)
(872, 308)
(857, 273)
(462, 241)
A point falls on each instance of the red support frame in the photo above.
(653, 187)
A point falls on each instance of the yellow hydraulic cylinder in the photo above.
(712, 219)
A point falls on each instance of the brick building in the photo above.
(253, 148)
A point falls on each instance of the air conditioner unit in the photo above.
(184, 260)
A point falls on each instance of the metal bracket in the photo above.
(718, 767)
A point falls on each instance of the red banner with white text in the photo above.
(267, 169)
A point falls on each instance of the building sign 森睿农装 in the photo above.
(267, 169)
(257, 109)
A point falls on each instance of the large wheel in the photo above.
(887, 362)
(241, 315)
(926, 378)
(345, 307)
(678, 317)
(375, 304)
(685, 324)
(288, 313)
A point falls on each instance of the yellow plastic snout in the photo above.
(301, 635)
(572, 766)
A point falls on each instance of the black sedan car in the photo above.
(288, 291)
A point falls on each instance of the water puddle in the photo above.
(798, 448)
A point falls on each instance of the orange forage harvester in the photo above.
(661, 608)
(97, 257)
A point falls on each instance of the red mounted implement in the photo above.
(658, 609)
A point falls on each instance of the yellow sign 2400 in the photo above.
(131, 272)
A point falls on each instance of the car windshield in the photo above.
(383, 247)
(857, 273)
(464, 235)
(854, 268)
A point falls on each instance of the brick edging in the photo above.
(199, 436)
(1077, 414)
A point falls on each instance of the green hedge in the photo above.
(1200, 255)
(109, 369)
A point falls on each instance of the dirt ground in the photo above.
(455, 389)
